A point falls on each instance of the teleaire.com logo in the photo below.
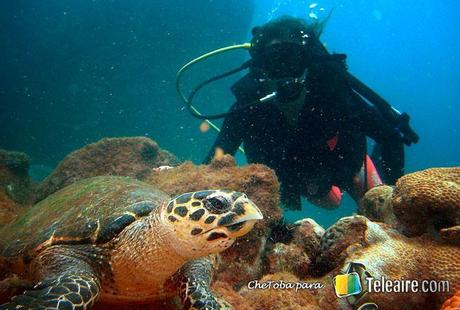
(356, 282)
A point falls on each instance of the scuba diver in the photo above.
(300, 112)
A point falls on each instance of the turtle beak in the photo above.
(244, 222)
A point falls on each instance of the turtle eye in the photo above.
(217, 204)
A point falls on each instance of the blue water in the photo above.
(75, 72)
(407, 51)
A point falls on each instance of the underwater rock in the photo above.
(387, 253)
(336, 241)
(428, 200)
(307, 235)
(133, 157)
(243, 261)
(296, 253)
(14, 178)
(228, 294)
(288, 258)
(8, 209)
(376, 205)
(453, 303)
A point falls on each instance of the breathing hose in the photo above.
(194, 111)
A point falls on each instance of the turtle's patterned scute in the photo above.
(71, 215)
(94, 235)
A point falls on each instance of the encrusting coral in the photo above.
(386, 253)
(133, 157)
(376, 204)
(16, 186)
(8, 209)
(296, 249)
(14, 177)
(428, 199)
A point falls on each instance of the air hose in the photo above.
(194, 111)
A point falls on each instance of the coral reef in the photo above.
(410, 231)
(230, 295)
(346, 233)
(14, 178)
(307, 235)
(288, 258)
(243, 261)
(8, 209)
(297, 252)
(428, 199)
(376, 205)
(386, 252)
(383, 251)
(134, 157)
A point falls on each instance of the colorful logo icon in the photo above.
(347, 284)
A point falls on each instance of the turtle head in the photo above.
(206, 222)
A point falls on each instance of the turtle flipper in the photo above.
(69, 291)
(69, 282)
(195, 281)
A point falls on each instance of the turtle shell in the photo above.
(89, 211)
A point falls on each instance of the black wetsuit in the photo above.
(306, 165)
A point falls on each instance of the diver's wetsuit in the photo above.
(305, 163)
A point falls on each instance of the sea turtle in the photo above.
(121, 241)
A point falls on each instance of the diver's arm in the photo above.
(389, 153)
(229, 138)
(330, 77)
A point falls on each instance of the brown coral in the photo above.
(134, 157)
(428, 199)
(14, 177)
(288, 258)
(8, 209)
(307, 235)
(243, 261)
(334, 247)
(376, 205)
(385, 252)
(297, 255)
(230, 296)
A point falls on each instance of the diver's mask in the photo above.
(281, 60)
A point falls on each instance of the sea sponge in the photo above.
(242, 262)
(428, 200)
(134, 157)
